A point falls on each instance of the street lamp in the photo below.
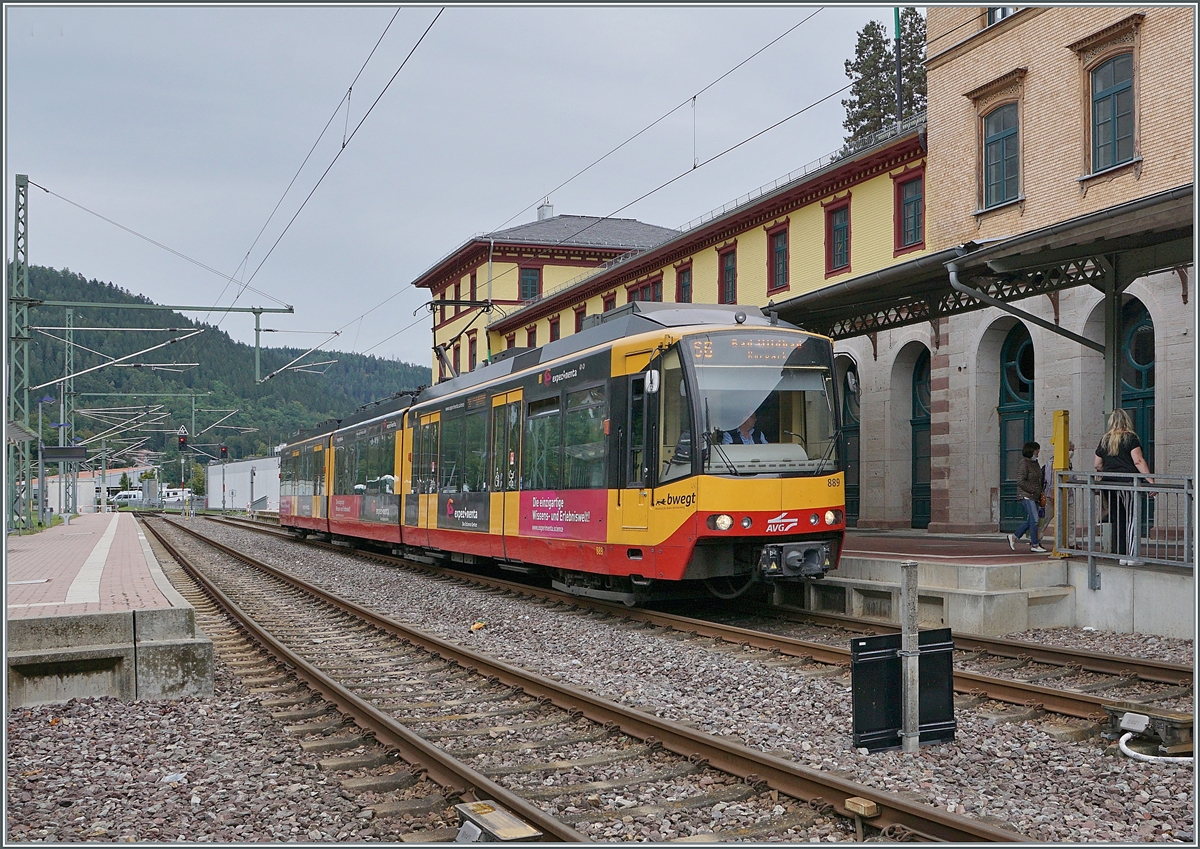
(41, 465)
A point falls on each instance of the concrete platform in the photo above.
(977, 585)
(90, 613)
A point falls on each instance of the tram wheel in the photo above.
(730, 586)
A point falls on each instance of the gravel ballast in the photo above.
(97, 773)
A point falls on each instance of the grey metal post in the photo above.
(910, 733)
(103, 475)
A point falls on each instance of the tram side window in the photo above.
(583, 445)
(287, 473)
(345, 459)
(425, 474)
(452, 449)
(318, 473)
(635, 472)
(381, 449)
(475, 453)
(675, 429)
(506, 444)
(541, 461)
(305, 487)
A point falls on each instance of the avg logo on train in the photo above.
(782, 522)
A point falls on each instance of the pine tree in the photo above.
(126, 483)
(872, 103)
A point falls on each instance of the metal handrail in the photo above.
(1158, 517)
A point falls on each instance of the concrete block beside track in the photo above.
(90, 613)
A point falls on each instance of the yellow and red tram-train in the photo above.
(666, 449)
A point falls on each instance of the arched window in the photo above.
(1112, 112)
(1001, 155)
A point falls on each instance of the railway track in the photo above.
(1074, 683)
(563, 760)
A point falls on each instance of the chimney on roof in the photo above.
(546, 210)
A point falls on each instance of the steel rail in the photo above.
(456, 777)
(748, 764)
(1065, 702)
(1147, 669)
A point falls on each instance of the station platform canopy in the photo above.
(1111, 247)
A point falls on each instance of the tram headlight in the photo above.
(747, 521)
(720, 522)
(832, 517)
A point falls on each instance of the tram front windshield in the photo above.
(765, 402)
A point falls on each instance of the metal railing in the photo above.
(1123, 517)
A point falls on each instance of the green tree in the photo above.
(871, 105)
(126, 483)
(196, 484)
(147, 475)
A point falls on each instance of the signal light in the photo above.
(182, 442)
(224, 453)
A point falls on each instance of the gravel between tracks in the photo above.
(1015, 773)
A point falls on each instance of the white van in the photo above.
(128, 498)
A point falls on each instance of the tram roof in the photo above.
(631, 319)
(1136, 238)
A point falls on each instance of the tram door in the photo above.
(425, 473)
(636, 467)
(505, 474)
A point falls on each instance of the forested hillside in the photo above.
(277, 408)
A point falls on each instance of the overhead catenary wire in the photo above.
(346, 100)
(342, 149)
(665, 115)
(638, 199)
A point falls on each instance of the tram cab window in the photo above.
(541, 460)
(583, 445)
(784, 381)
(675, 429)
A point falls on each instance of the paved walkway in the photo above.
(979, 549)
(100, 562)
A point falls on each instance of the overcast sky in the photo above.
(187, 124)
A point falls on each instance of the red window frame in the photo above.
(472, 350)
(521, 273)
(554, 331)
(474, 287)
(531, 336)
(610, 301)
(680, 270)
(899, 181)
(457, 359)
(442, 317)
(580, 314)
(510, 341)
(646, 290)
(722, 295)
(833, 206)
(773, 285)
(457, 297)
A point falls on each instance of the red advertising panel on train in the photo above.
(565, 514)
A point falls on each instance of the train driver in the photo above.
(746, 434)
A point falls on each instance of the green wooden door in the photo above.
(920, 443)
(1016, 419)
(850, 443)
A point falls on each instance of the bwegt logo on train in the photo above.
(685, 500)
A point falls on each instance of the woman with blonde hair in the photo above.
(1120, 450)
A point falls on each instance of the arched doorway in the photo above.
(850, 441)
(1016, 419)
(919, 421)
(1137, 372)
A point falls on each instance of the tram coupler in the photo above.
(796, 560)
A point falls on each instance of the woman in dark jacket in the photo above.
(1029, 488)
(1121, 451)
